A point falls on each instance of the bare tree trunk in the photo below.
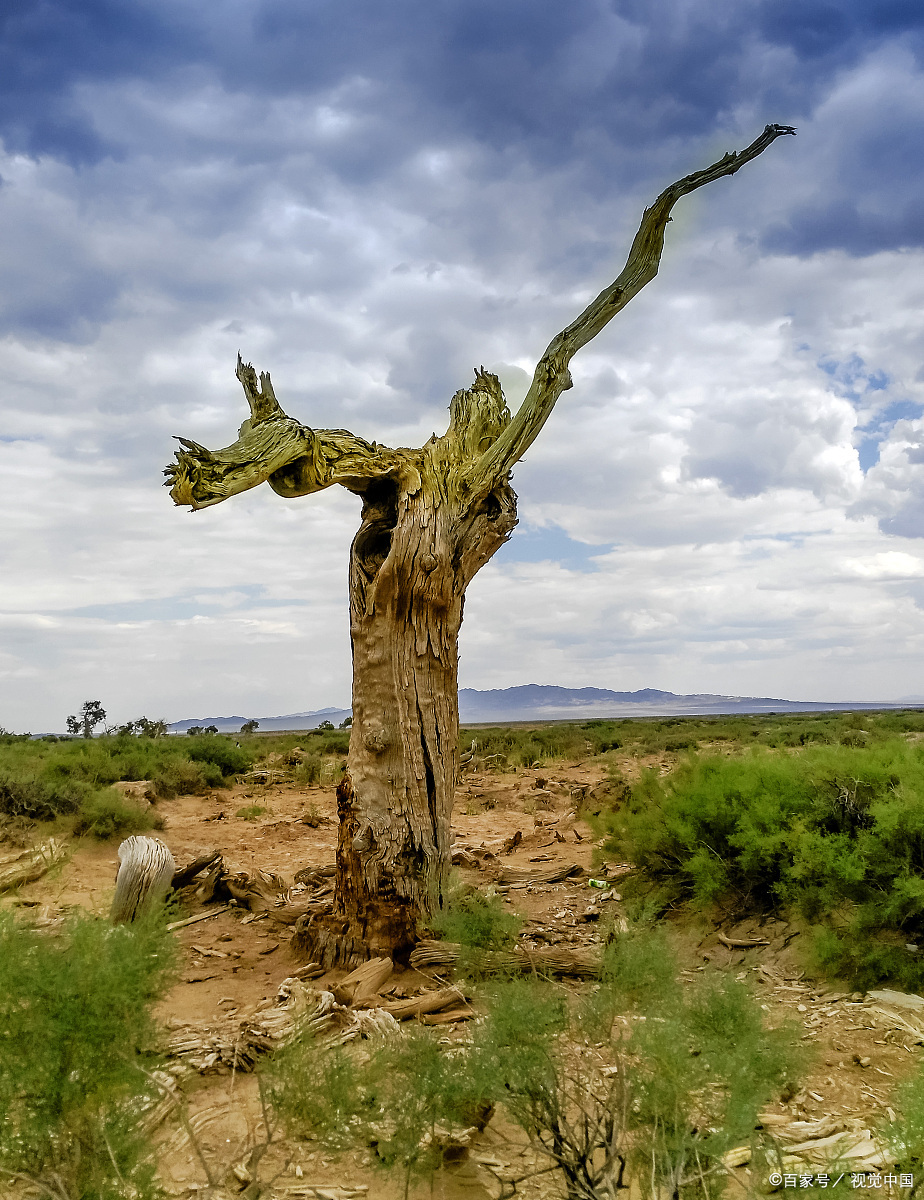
(410, 563)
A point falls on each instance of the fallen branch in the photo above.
(519, 961)
(363, 983)
(742, 943)
(516, 877)
(188, 873)
(427, 1002)
(30, 865)
(203, 916)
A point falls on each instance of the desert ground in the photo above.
(235, 964)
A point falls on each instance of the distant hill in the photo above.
(545, 702)
(294, 721)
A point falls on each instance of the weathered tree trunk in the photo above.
(431, 519)
(421, 540)
(146, 870)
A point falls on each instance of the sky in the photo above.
(369, 200)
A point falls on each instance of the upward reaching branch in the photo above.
(552, 376)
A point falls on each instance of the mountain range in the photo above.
(545, 702)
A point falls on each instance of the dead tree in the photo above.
(431, 518)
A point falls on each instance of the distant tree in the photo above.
(325, 725)
(194, 730)
(432, 517)
(210, 729)
(346, 723)
(250, 726)
(145, 727)
(91, 714)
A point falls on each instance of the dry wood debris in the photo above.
(29, 865)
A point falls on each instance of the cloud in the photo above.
(371, 201)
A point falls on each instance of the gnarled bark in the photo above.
(432, 517)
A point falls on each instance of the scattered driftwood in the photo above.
(203, 916)
(426, 1002)
(364, 982)
(584, 964)
(515, 877)
(187, 874)
(238, 1043)
(742, 943)
(145, 871)
(30, 865)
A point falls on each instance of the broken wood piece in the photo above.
(188, 873)
(741, 943)
(203, 916)
(364, 982)
(309, 971)
(546, 961)
(257, 892)
(514, 876)
(512, 842)
(145, 871)
(30, 864)
(426, 1002)
(448, 1016)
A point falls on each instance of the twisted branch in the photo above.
(552, 376)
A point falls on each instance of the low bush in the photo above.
(75, 1032)
(308, 770)
(180, 777)
(836, 832)
(230, 758)
(109, 814)
(23, 794)
(251, 812)
(476, 920)
(663, 1091)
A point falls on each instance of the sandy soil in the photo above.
(232, 965)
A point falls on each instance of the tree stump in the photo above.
(146, 869)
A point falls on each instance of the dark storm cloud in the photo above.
(562, 82)
(49, 46)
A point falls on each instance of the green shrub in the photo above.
(308, 770)
(39, 799)
(228, 757)
(75, 1014)
(180, 777)
(835, 831)
(476, 920)
(109, 814)
(904, 1135)
(251, 812)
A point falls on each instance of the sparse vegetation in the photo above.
(673, 1078)
(108, 814)
(476, 920)
(76, 1038)
(251, 812)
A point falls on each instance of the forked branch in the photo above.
(552, 376)
(273, 448)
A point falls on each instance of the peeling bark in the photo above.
(432, 517)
